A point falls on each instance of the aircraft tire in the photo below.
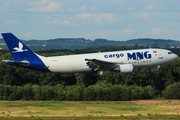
(103, 78)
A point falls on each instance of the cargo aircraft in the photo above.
(122, 61)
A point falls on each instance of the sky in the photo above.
(118, 20)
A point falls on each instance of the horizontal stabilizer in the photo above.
(20, 63)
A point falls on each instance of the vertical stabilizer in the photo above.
(18, 50)
(22, 55)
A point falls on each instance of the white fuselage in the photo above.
(122, 61)
(139, 58)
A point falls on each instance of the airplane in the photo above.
(121, 61)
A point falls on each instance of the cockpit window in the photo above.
(169, 52)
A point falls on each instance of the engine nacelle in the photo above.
(125, 68)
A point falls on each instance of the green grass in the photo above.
(97, 112)
(82, 107)
(92, 117)
(83, 110)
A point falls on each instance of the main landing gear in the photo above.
(99, 77)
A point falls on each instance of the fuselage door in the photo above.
(160, 54)
(155, 56)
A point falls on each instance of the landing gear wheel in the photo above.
(103, 78)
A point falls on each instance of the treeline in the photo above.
(97, 92)
(17, 83)
(81, 43)
(100, 49)
(51, 52)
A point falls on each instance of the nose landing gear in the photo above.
(158, 69)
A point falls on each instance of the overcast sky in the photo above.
(91, 19)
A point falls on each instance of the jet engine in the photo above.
(125, 68)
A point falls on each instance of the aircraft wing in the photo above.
(96, 64)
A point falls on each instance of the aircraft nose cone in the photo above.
(176, 56)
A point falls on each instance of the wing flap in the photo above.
(100, 64)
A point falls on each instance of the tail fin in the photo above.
(22, 55)
(18, 50)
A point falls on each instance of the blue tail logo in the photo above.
(20, 48)
(23, 56)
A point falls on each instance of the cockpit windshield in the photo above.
(170, 53)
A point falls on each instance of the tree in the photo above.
(172, 91)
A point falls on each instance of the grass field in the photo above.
(80, 110)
